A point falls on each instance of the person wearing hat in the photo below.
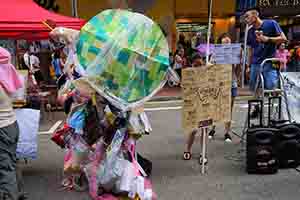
(10, 82)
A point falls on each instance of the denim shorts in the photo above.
(234, 92)
(270, 75)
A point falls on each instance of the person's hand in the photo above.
(260, 37)
(247, 73)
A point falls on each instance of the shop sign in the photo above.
(278, 3)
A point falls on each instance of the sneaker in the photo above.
(227, 138)
(211, 134)
(201, 160)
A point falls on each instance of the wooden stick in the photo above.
(47, 25)
(204, 133)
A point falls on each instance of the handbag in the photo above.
(62, 136)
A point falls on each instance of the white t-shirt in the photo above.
(34, 64)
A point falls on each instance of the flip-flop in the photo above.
(187, 156)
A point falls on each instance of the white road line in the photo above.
(164, 102)
(52, 129)
(164, 108)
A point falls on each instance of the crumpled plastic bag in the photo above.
(142, 188)
(77, 155)
(124, 184)
(91, 168)
(111, 168)
(76, 119)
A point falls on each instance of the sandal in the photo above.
(187, 156)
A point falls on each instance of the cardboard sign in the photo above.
(207, 95)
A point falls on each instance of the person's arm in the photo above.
(280, 38)
(250, 54)
(277, 40)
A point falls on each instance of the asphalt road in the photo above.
(173, 178)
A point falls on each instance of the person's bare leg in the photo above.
(190, 141)
(228, 124)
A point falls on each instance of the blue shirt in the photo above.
(262, 51)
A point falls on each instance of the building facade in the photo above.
(172, 15)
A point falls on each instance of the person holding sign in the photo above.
(197, 61)
(225, 39)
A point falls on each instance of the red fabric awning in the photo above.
(23, 19)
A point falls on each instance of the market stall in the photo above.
(25, 24)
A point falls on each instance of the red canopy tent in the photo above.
(23, 19)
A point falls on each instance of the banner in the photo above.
(206, 94)
(292, 89)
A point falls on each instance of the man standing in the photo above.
(33, 64)
(9, 132)
(262, 39)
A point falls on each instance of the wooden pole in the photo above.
(209, 30)
(204, 134)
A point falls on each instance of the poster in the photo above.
(206, 94)
(227, 53)
(292, 89)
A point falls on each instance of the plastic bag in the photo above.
(124, 184)
(69, 166)
(112, 167)
(76, 156)
(80, 150)
(76, 119)
(91, 168)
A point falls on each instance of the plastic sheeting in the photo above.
(292, 89)
(28, 121)
(125, 55)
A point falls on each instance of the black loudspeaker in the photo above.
(289, 146)
(261, 152)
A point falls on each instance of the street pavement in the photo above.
(173, 178)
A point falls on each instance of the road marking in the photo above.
(164, 108)
(165, 102)
(52, 129)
